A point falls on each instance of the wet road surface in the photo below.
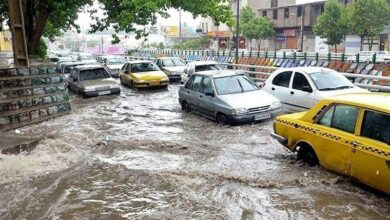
(138, 156)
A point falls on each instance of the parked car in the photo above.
(65, 68)
(302, 87)
(172, 66)
(143, 73)
(347, 134)
(113, 64)
(227, 97)
(92, 80)
(199, 66)
(86, 58)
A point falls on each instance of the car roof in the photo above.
(198, 63)
(219, 73)
(370, 100)
(139, 61)
(166, 58)
(72, 63)
(89, 66)
(307, 70)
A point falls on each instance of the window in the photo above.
(124, 66)
(274, 3)
(282, 79)
(234, 84)
(196, 84)
(264, 13)
(300, 82)
(341, 117)
(207, 85)
(376, 126)
(190, 83)
(143, 67)
(92, 74)
(286, 13)
(172, 62)
(275, 14)
(299, 11)
(201, 68)
(330, 80)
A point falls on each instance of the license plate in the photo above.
(104, 93)
(155, 84)
(262, 117)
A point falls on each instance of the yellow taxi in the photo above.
(347, 134)
(142, 74)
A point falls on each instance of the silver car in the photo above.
(199, 66)
(172, 66)
(227, 97)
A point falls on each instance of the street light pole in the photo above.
(302, 25)
(237, 29)
(180, 36)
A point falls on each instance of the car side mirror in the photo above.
(211, 94)
(307, 89)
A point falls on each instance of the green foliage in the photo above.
(333, 23)
(368, 18)
(92, 43)
(161, 46)
(255, 27)
(42, 49)
(195, 44)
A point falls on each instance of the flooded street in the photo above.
(138, 156)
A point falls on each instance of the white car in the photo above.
(199, 66)
(300, 88)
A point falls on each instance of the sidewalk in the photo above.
(16, 143)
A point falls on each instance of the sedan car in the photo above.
(142, 74)
(113, 64)
(300, 88)
(227, 97)
(92, 80)
(199, 66)
(347, 134)
(172, 66)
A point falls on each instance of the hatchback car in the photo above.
(227, 97)
(172, 66)
(92, 80)
(142, 74)
(347, 134)
(300, 88)
(199, 66)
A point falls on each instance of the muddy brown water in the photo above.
(138, 156)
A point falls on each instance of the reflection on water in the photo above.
(137, 156)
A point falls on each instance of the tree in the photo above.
(255, 27)
(368, 18)
(195, 44)
(332, 24)
(51, 17)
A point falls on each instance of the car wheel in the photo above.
(185, 106)
(307, 154)
(132, 85)
(222, 119)
(120, 79)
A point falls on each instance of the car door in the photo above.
(370, 161)
(73, 81)
(301, 96)
(280, 87)
(193, 92)
(206, 98)
(335, 130)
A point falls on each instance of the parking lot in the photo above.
(138, 156)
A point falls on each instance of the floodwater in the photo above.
(138, 156)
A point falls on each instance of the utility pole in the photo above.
(302, 26)
(237, 29)
(19, 42)
(180, 36)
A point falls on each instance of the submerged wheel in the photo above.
(120, 79)
(221, 119)
(307, 154)
(185, 106)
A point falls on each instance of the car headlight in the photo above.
(90, 89)
(165, 78)
(114, 86)
(139, 80)
(240, 111)
(276, 105)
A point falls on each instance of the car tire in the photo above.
(308, 155)
(185, 106)
(222, 119)
(132, 85)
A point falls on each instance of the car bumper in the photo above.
(101, 93)
(149, 85)
(176, 77)
(250, 118)
(280, 139)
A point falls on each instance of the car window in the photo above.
(124, 66)
(341, 117)
(190, 70)
(143, 67)
(376, 126)
(330, 80)
(282, 79)
(172, 62)
(197, 83)
(207, 86)
(300, 82)
(92, 74)
(201, 68)
(190, 83)
(234, 84)
(128, 68)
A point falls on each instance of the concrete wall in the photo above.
(5, 41)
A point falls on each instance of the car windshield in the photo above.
(68, 68)
(201, 68)
(330, 80)
(91, 74)
(115, 60)
(234, 84)
(143, 67)
(86, 57)
(173, 62)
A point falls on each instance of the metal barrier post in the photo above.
(357, 57)
(294, 56)
(242, 54)
(374, 58)
(342, 57)
(250, 53)
(274, 54)
(223, 53)
(305, 56)
(284, 54)
(218, 53)
(329, 57)
(258, 54)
